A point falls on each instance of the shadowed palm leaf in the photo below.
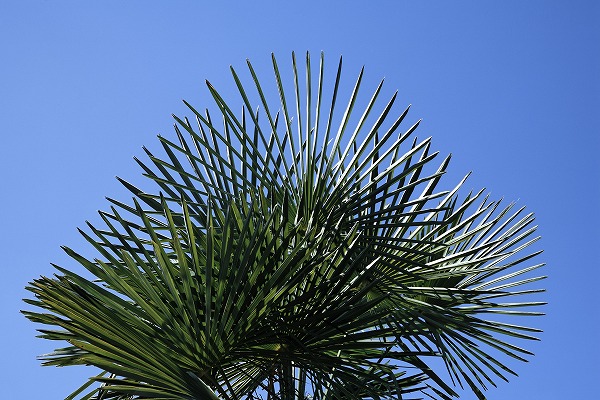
(287, 256)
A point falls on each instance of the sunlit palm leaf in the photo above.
(288, 256)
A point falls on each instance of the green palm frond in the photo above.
(301, 250)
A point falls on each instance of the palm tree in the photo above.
(285, 255)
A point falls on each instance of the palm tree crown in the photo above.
(297, 251)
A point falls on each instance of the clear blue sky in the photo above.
(511, 88)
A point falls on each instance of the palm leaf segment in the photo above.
(288, 257)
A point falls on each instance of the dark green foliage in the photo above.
(286, 256)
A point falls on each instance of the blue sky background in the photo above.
(510, 88)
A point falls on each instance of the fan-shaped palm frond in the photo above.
(300, 253)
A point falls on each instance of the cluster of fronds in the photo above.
(288, 256)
